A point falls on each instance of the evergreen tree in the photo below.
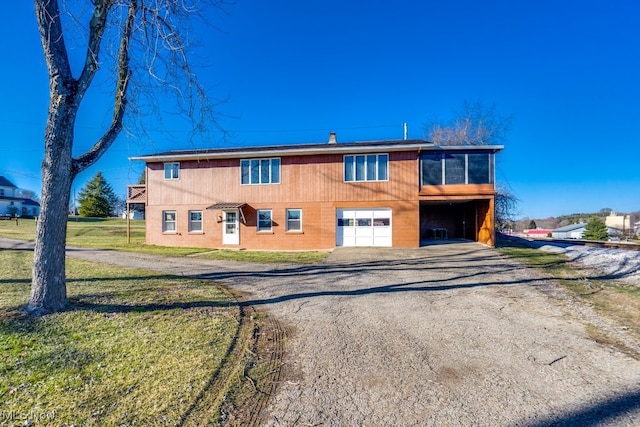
(532, 225)
(97, 198)
(595, 230)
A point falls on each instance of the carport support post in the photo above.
(128, 223)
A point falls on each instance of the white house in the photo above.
(571, 231)
(11, 204)
(576, 231)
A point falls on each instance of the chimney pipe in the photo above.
(332, 138)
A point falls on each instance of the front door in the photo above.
(230, 228)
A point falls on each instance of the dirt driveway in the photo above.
(451, 335)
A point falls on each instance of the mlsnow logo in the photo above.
(31, 415)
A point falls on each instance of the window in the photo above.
(260, 171)
(1, 192)
(456, 168)
(431, 169)
(345, 222)
(264, 220)
(195, 221)
(480, 169)
(371, 167)
(168, 221)
(294, 219)
(171, 170)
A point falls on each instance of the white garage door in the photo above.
(363, 227)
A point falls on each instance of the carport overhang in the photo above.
(463, 217)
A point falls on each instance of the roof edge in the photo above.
(310, 149)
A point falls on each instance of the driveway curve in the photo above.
(448, 335)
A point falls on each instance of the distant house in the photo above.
(576, 231)
(12, 205)
(620, 223)
(571, 231)
(396, 193)
(133, 214)
(536, 232)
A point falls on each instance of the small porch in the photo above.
(136, 195)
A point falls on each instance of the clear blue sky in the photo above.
(567, 71)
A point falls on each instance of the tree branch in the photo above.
(97, 26)
(55, 51)
(124, 75)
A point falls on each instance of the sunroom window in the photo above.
(451, 168)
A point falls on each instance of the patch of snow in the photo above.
(613, 263)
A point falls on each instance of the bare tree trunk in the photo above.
(48, 288)
(160, 42)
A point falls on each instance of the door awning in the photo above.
(227, 205)
(230, 205)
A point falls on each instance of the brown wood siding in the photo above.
(479, 191)
(303, 179)
(314, 184)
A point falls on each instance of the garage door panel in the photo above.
(364, 227)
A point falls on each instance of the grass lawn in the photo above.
(135, 348)
(111, 233)
(611, 299)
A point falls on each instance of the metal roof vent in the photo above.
(332, 138)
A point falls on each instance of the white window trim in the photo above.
(201, 222)
(171, 178)
(270, 159)
(258, 229)
(287, 220)
(175, 222)
(344, 175)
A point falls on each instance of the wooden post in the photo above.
(128, 223)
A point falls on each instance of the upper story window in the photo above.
(172, 170)
(260, 171)
(1, 192)
(366, 167)
(456, 168)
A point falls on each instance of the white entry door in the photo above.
(230, 228)
(363, 227)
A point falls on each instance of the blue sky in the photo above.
(568, 72)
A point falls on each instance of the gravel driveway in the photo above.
(448, 335)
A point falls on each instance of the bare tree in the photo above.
(149, 44)
(473, 124)
(27, 194)
(506, 208)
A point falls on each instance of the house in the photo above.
(620, 223)
(571, 231)
(397, 193)
(537, 233)
(133, 214)
(11, 204)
